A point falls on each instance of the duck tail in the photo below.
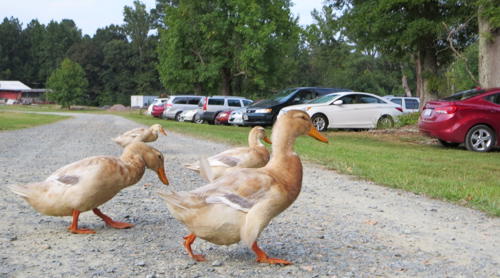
(171, 198)
(19, 190)
(205, 170)
(192, 166)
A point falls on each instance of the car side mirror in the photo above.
(338, 102)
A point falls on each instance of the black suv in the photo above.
(264, 113)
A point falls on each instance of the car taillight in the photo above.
(400, 109)
(205, 104)
(168, 105)
(446, 109)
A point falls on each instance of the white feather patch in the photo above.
(224, 200)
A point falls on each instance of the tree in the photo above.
(220, 45)
(11, 48)
(489, 43)
(59, 37)
(408, 28)
(68, 84)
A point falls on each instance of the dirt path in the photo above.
(338, 227)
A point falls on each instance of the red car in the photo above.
(158, 110)
(471, 117)
(222, 118)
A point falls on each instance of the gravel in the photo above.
(339, 226)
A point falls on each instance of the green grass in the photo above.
(397, 161)
(13, 120)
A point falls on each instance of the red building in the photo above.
(18, 92)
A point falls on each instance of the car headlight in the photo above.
(268, 110)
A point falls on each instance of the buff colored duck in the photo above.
(139, 134)
(86, 184)
(238, 206)
(254, 156)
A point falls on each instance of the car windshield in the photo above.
(282, 96)
(324, 99)
(464, 95)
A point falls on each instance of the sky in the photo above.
(90, 15)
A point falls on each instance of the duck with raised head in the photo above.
(86, 184)
(141, 134)
(238, 206)
(256, 155)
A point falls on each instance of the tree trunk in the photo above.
(227, 90)
(489, 53)
(405, 86)
(429, 74)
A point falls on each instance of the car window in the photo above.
(397, 101)
(233, 103)
(464, 95)
(179, 100)
(349, 99)
(324, 99)
(411, 104)
(247, 102)
(304, 96)
(216, 101)
(495, 98)
(193, 100)
(367, 99)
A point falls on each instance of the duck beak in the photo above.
(163, 131)
(314, 133)
(162, 176)
(267, 140)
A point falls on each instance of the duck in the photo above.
(238, 206)
(139, 134)
(256, 155)
(88, 183)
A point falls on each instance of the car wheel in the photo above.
(320, 122)
(385, 122)
(178, 117)
(480, 138)
(197, 119)
(447, 144)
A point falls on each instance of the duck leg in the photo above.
(263, 258)
(110, 222)
(74, 225)
(187, 243)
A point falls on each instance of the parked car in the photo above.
(264, 113)
(209, 107)
(156, 101)
(176, 104)
(236, 117)
(470, 117)
(351, 110)
(191, 116)
(409, 104)
(222, 118)
(158, 108)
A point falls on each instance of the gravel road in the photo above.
(338, 227)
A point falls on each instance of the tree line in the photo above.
(253, 48)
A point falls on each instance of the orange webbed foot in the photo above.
(109, 222)
(263, 258)
(188, 240)
(270, 260)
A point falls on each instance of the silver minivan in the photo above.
(409, 104)
(176, 104)
(209, 107)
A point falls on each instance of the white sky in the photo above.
(89, 15)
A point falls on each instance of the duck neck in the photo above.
(133, 168)
(286, 165)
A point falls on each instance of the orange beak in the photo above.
(163, 131)
(162, 176)
(314, 133)
(267, 140)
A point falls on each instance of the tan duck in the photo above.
(254, 156)
(86, 184)
(238, 206)
(139, 134)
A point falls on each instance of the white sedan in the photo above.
(350, 110)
